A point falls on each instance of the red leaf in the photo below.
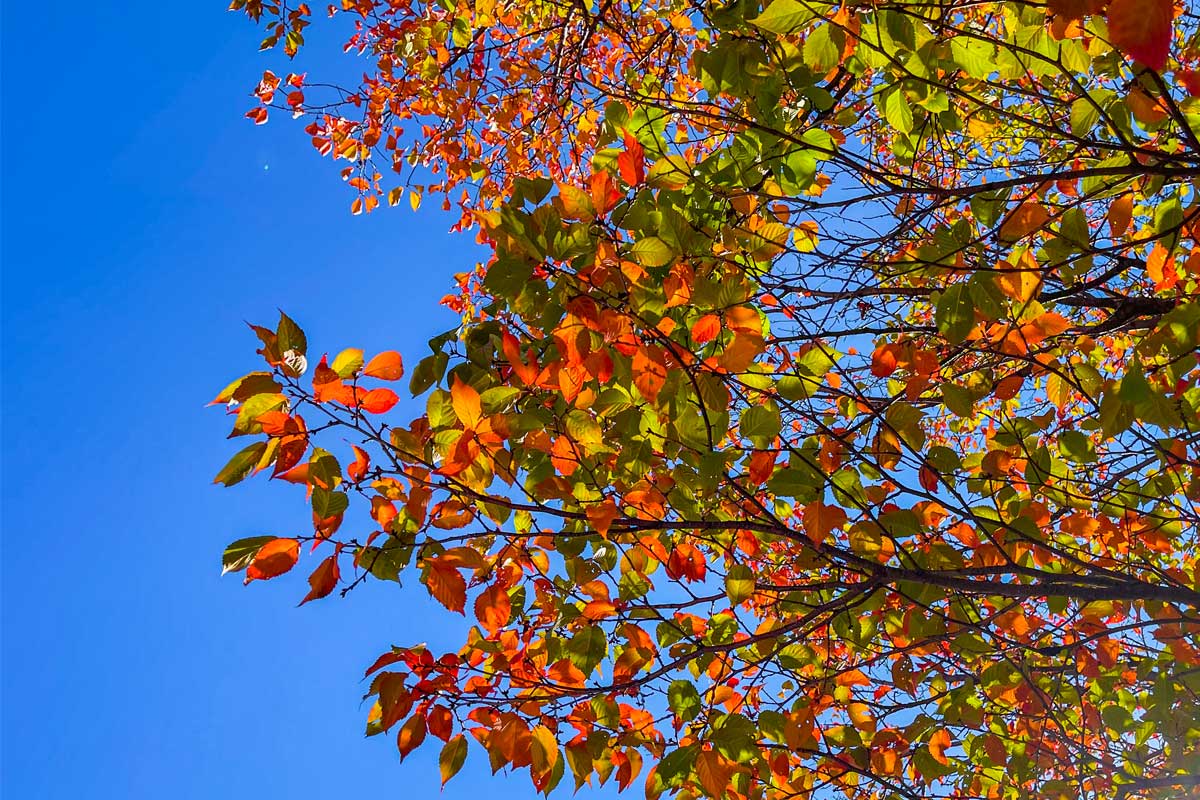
(273, 559)
(378, 401)
(632, 162)
(706, 329)
(1142, 29)
(323, 580)
(387, 366)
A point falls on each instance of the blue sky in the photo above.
(143, 221)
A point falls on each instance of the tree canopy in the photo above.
(823, 421)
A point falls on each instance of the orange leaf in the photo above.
(323, 580)
(411, 734)
(601, 516)
(466, 403)
(446, 585)
(649, 372)
(713, 773)
(1027, 218)
(362, 462)
(1120, 213)
(273, 559)
(564, 673)
(885, 360)
(493, 608)
(820, 520)
(1142, 29)
(378, 401)
(938, 744)
(706, 329)
(387, 366)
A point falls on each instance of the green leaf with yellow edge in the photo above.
(451, 759)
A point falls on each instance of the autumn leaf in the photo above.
(273, 559)
(466, 403)
(387, 366)
(446, 585)
(453, 754)
(378, 401)
(492, 608)
(1142, 29)
(323, 580)
(1028, 218)
(938, 742)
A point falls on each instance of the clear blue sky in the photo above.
(143, 220)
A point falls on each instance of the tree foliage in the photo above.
(824, 419)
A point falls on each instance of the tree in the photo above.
(824, 420)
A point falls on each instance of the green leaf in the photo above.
(587, 648)
(783, 17)
(821, 52)
(739, 583)
(429, 371)
(960, 401)
(898, 111)
(289, 336)
(1077, 447)
(684, 700)
(761, 424)
(653, 252)
(240, 465)
(328, 504)
(453, 754)
(955, 313)
(239, 554)
(736, 738)
(1084, 116)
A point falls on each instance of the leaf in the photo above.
(684, 700)
(348, 363)
(273, 559)
(706, 329)
(378, 401)
(240, 465)
(543, 749)
(712, 772)
(761, 424)
(451, 759)
(387, 366)
(411, 734)
(739, 584)
(955, 314)
(649, 372)
(1142, 29)
(1026, 219)
(652, 252)
(446, 585)
(783, 17)
(466, 403)
(239, 554)
(938, 742)
(493, 608)
(323, 580)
